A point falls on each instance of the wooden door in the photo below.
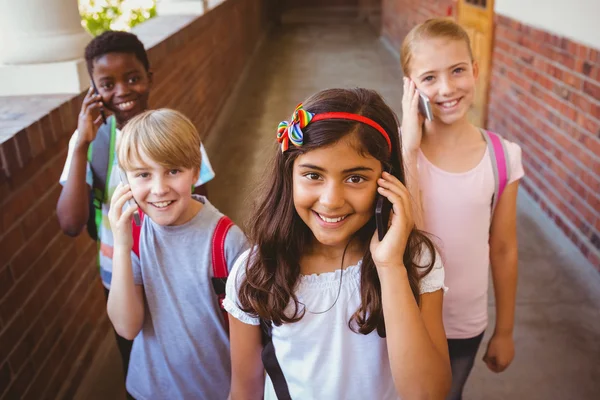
(477, 17)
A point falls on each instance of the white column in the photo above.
(39, 31)
(186, 7)
(41, 47)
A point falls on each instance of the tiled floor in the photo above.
(558, 309)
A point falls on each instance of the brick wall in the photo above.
(400, 16)
(545, 95)
(52, 306)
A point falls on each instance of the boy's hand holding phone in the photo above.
(412, 118)
(90, 117)
(131, 202)
(120, 221)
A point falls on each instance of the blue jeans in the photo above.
(462, 358)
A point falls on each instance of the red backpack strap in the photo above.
(219, 262)
(136, 231)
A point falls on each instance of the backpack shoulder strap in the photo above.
(136, 231)
(218, 247)
(219, 262)
(270, 362)
(500, 164)
(99, 157)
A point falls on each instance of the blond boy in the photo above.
(164, 298)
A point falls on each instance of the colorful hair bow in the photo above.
(292, 131)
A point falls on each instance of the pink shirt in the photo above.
(457, 211)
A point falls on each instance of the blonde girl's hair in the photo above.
(434, 28)
(166, 136)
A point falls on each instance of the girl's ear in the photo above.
(475, 69)
(150, 77)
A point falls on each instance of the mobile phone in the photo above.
(425, 106)
(96, 91)
(130, 203)
(383, 208)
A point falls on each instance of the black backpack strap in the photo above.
(98, 157)
(271, 364)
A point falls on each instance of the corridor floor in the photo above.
(557, 333)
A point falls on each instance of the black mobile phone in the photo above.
(96, 91)
(383, 208)
(425, 106)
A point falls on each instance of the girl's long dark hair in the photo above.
(279, 236)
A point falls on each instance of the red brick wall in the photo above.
(545, 95)
(52, 306)
(400, 16)
(197, 76)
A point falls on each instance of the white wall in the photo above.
(578, 20)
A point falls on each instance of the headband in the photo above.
(292, 131)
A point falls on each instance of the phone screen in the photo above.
(96, 91)
(130, 203)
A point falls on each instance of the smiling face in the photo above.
(123, 83)
(442, 70)
(164, 194)
(334, 190)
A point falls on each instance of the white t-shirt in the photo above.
(320, 356)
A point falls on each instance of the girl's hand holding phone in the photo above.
(89, 117)
(390, 251)
(120, 221)
(412, 119)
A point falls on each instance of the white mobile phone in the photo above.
(130, 203)
(425, 106)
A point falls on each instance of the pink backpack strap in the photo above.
(500, 164)
(219, 262)
(136, 231)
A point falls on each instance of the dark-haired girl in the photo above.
(335, 312)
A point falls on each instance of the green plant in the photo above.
(98, 16)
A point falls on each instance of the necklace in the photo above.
(339, 286)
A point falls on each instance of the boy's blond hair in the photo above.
(435, 28)
(166, 136)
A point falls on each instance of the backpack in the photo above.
(219, 261)
(100, 157)
(500, 164)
